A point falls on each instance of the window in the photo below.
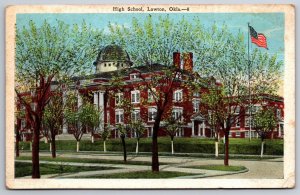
(196, 94)
(196, 105)
(255, 109)
(23, 124)
(151, 94)
(237, 134)
(33, 106)
(108, 117)
(177, 113)
(235, 109)
(107, 102)
(278, 113)
(254, 134)
(119, 116)
(135, 115)
(247, 121)
(135, 96)
(177, 96)
(119, 98)
(247, 110)
(246, 134)
(134, 76)
(150, 131)
(152, 113)
(238, 123)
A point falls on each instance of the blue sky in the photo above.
(271, 24)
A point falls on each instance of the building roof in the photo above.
(124, 72)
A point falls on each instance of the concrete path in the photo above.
(260, 169)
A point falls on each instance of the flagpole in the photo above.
(250, 107)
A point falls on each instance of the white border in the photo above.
(289, 96)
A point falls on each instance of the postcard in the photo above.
(150, 96)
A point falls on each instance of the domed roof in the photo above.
(113, 53)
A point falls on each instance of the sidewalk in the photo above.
(266, 168)
(122, 168)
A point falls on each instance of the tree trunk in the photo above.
(53, 146)
(124, 147)
(104, 146)
(30, 146)
(137, 147)
(50, 147)
(17, 148)
(172, 146)
(77, 147)
(262, 149)
(216, 148)
(46, 140)
(226, 156)
(92, 137)
(155, 162)
(17, 143)
(35, 150)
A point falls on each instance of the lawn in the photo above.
(141, 175)
(219, 167)
(24, 169)
(88, 160)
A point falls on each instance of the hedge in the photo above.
(181, 145)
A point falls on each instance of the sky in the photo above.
(270, 24)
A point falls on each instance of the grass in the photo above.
(87, 160)
(141, 175)
(219, 167)
(24, 169)
(181, 145)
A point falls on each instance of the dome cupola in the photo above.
(112, 57)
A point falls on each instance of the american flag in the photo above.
(258, 38)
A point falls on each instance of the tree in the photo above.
(210, 108)
(138, 128)
(80, 117)
(264, 122)
(172, 126)
(123, 131)
(90, 117)
(218, 53)
(222, 55)
(105, 134)
(18, 117)
(52, 120)
(149, 42)
(45, 53)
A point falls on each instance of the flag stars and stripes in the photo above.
(258, 38)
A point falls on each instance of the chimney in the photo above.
(188, 61)
(176, 59)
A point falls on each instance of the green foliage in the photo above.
(87, 160)
(173, 125)
(219, 167)
(142, 175)
(138, 128)
(105, 134)
(154, 41)
(182, 145)
(82, 117)
(52, 117)
(55, 49)
(264, 121)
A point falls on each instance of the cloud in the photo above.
(269, 32)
